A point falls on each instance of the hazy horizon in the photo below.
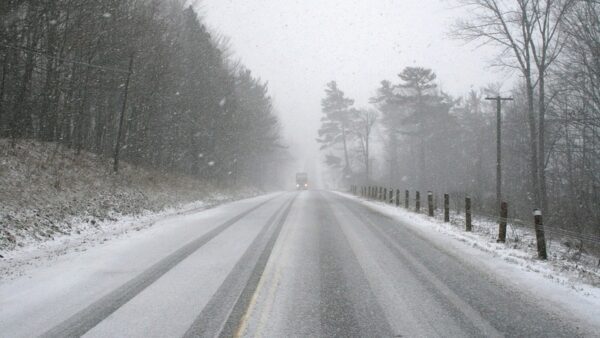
(297, 47)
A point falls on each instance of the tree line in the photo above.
(551, 131)
(187, 108)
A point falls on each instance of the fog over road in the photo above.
(310, 263)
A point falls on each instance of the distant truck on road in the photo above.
(301, 181)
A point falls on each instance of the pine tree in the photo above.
(337, 124)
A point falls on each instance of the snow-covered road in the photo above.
(309, 263)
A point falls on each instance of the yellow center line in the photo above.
(244, 323)
(270, 301)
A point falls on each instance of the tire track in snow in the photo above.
(84, 320)
(223, 314)
(348, 307)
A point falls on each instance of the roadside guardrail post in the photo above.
(502, 225)
(430, 203)
(417, 201)
(446, 208)
(469, 226)
(539, 234)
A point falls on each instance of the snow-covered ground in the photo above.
(71, 280)
(90, 272)
(54, 201)
(32, 253)
(567, 278)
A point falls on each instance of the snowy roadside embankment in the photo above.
(565, 266)
(53, 200)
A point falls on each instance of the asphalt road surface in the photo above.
(309, 263)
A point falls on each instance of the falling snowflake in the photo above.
(223, 101)
(53, 22)
(211, 163)
(107, 15)
(201, 155)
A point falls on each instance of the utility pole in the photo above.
(499, 100)
(235, 170)
(122, 117)
(367, 132)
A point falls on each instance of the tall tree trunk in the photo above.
(541, 135)
(346, 160)
(2, 88)
(367, 132)
(46, 117)
(422, 166)
(21, 122)
(393, 156)
(533, 143)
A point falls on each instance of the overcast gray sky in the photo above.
(300, 45)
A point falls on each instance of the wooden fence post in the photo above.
(391, 198)
(430, 203)
(502, 225)
(417, 202)
(539, 234)
(469, 226)
(397, 197)
(446, 208)
(406, 198)
(384, 195)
